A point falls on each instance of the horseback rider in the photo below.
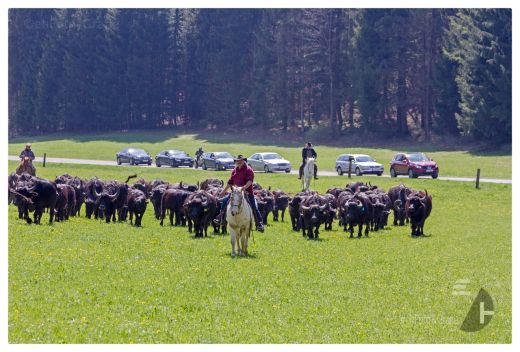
(241, 176)
(308, 152)
(198, 155)
(26, 159)
(27, 152)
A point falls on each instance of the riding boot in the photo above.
(315, 172)
(300, 173)
(256, 215)
(218, 218)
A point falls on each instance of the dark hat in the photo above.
(240, 157)
(309, 144)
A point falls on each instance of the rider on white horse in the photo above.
(308, 152)
(242, 176)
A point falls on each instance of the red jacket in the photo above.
(239, 177)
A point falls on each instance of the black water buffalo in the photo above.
(143, 186)
(281, 203)
(265, 200)
(418, 209)
(378, 211)
(65, 201)
(211, 183)
(92, 187)
(331, 211)
(112, 201)
(155, 197)
(398, 195)
(37, 194)
(173, 200)
(335, 191)
(357, 212)
(221, 226)
(200, 208)
(313, 211)
(136, 204)
(185, 186)
(79, 189)
(12, 179)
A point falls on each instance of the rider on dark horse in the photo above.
(198, 155)
(308, 152)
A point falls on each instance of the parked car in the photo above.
(217, 161)
(269, 162)
(413, 165)
(173, 158)
(361, 164)
(134, 156)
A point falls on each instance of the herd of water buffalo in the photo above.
(358, 204)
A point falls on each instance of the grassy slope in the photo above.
(84, 281)
(105, 146)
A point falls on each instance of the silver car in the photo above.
(361, 164)
(269, 162)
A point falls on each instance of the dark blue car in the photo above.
(133, 156)
(217, 161)
(173, 158)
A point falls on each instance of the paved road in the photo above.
(294, 172)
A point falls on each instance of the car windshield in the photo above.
(138, 151)
(223, 155)
(417, 157)
(271, 156)
(364, 159)
(177, 152)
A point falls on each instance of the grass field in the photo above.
(452, 161)
(84, 281)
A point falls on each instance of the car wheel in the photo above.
(392, 173)
(287, 171)
(149, 163)
(411, 174)
(358, 172)
(118, 161)
(435, 175)
(266, 168)
(379, 173)
(158, 164)
(340, 172)
(204, 167)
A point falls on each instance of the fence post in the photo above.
(44, 158)
(478, 179)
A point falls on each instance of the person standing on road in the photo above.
(308, 152)
(241, 176)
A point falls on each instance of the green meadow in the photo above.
(85, 281)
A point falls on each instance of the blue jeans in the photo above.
(252, 202)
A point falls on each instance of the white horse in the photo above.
(239, 216)
(308, 172)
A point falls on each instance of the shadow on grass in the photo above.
(263, 137)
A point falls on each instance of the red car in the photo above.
(413, 165)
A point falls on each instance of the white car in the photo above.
(361, 164)
(269, 162)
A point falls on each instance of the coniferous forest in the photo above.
(416, 73)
